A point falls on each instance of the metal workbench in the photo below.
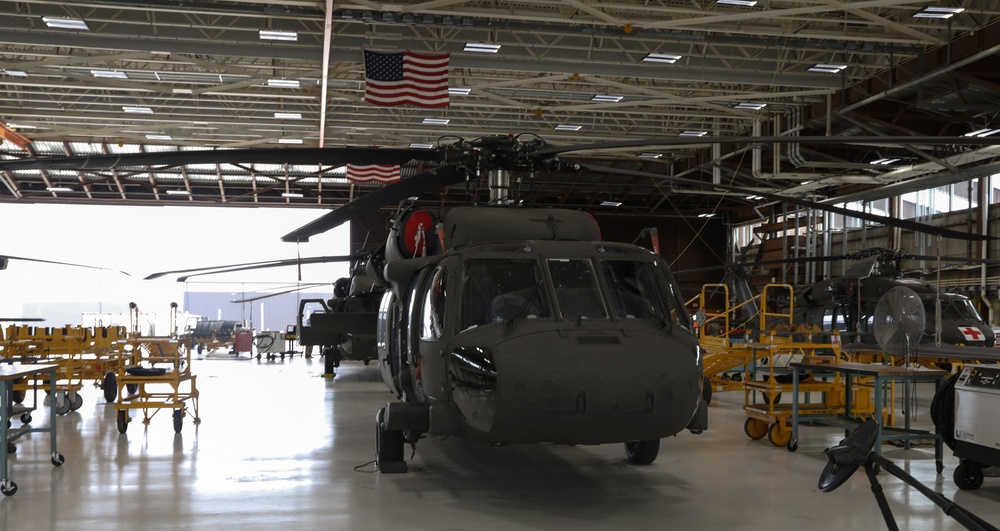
(880, 375)
(9, 375)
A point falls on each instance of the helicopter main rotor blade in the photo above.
(260, 265)
(370, 202)
(22, 319)
(884, 220)
(275, 294)
(328, 156)
(9, 257)
(277, 263)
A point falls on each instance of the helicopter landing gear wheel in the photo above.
(779, 435)
(110, 385)
(642, 452)
(388, 447)
(968, 476)
(754, 428)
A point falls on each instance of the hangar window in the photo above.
(432, 322)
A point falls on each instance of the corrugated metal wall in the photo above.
(272, 313)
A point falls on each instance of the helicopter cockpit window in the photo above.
(634, 290)
(496, 290)
(576, 289)
(953, 310)
(433, 307)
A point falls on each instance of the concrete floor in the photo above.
(281, 447)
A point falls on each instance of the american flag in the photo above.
(398, 78)
(383, 173)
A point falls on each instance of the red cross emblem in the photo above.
(972, 334)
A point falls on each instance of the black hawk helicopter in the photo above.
(513, 324)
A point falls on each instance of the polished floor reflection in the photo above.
(279, 446)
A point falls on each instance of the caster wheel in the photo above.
(122, 421)
(754, 428)
(26, 418)
(178, 420)
(968, 476)
(793, 445)
(110, 385)
(58, 459)
(779, 435)
(8, 488)
(76, 402)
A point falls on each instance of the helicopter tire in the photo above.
(642, 452)
(110, 385)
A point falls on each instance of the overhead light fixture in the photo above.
(567, 127)
(289, 115)
(883, 161)
(983, 132)
(20, 126)
(754, 197)
(277, 35)
(436, 121)
(706, 215)
(289, 140)
(825, 68)
(178, 192)
(607, 98)
(291, 194)
(109, 74)
(455, 91)
(481, 47)
(15, 73)
(938, 12)
(66, 23)
(743, 3)
(421, 146)
(182, 91)
(137, 110)
(650, 155)
(661, 58)
(59, 189)
(284, 83)
(611, 203)
(750, 106)
(158, 137)
(693, 133)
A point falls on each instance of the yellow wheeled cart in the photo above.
(156, 376)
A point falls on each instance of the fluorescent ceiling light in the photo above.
(59, 189)
(754, 197)
(159, 137)
(983, 132)
(611, 203)
(421, 146)
(276, 35)
(661, 58)
(455, 91)
(66, 23)
(110, 74)
(883, 161)
(19, 126)
(137, 110)
(436, 121)
(182, 91)
(938, 12)
(178, 192)
(826, 69)
(744, 3)
(607, 98)
(650, 155)
(291, 194)
(285, 83)
(289, 140)
(289, 115)
(750, 106)
(693, 133)
(481, 47)
(15, 73)
(705, 215)
(567, 127)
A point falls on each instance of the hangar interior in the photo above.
(746, 133)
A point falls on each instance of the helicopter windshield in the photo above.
(576, 289)
(634, 290)
(953, 310)
(495, 290)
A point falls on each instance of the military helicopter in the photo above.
(506, 323)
